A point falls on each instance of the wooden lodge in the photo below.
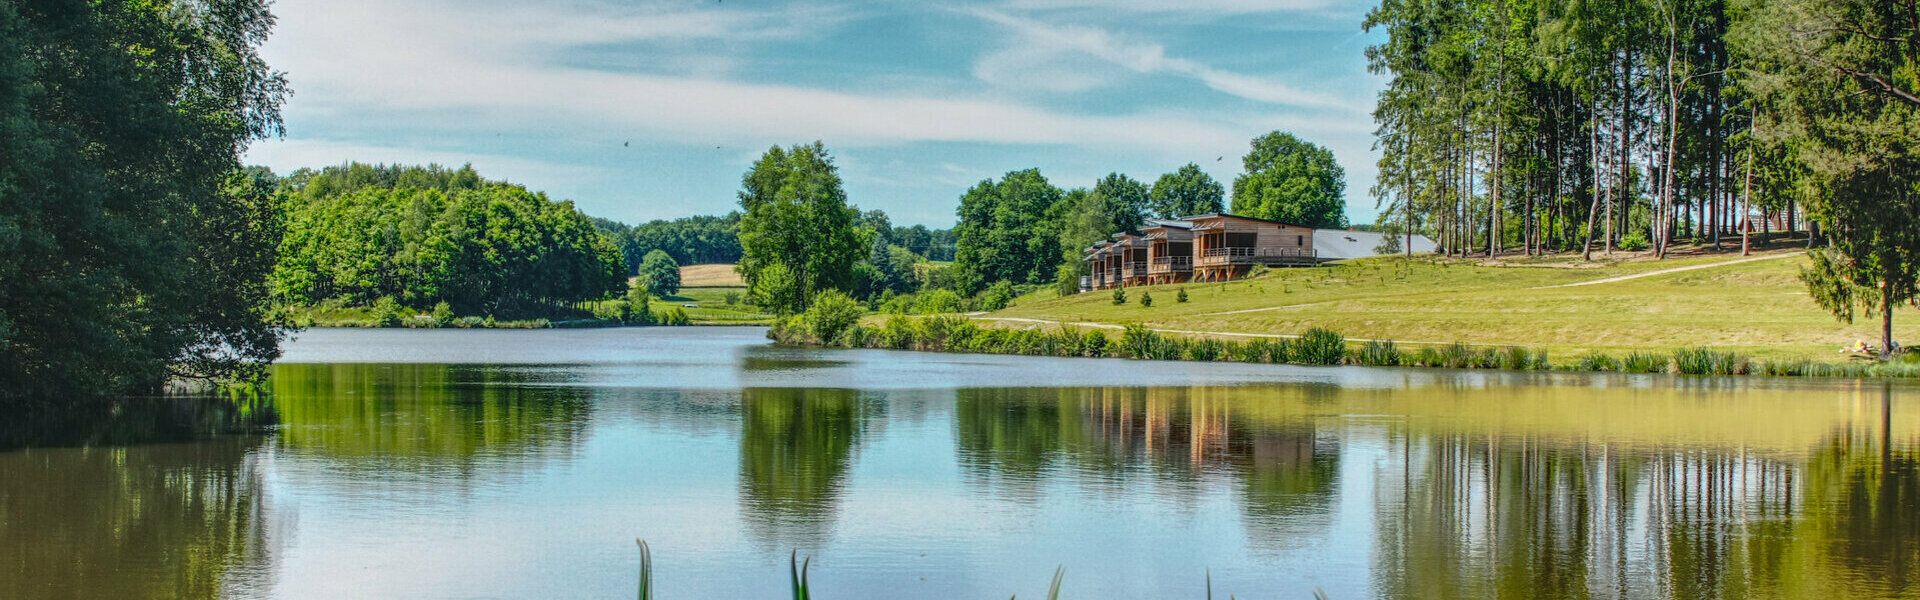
(1203, 248)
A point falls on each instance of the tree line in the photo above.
(425, 235)
(1541, 126)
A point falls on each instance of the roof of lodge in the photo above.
(1169, 223)
(1193, 218)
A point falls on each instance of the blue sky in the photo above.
(652, 109)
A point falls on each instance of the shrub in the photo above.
(1515, 358)
(1378, 354)
(1257, 271)
(1094, 344)
(1119, 296)
(1319, 347)
(830, 315)
(860, 337)
(1600, 362)
(1206, 350)
(1638, 362)
(940, 301)
(1136, 341)
(1066, 281)
(614, 310)
(386, 312)
(1181, 297)
(442, 314)
(1634, 241)
(997, 297)
(1702, 361)
(1247, 352)
(469, 322)
(898, 333)
(673, 315)
(639, 306)
(1146, 299)
(731, 298)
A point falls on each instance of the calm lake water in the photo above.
(522, 464)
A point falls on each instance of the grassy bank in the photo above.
(1564, 306)
(1315, 346)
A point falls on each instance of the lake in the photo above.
(522, 464)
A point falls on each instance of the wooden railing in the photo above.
(1172, 263)
(1244, 254)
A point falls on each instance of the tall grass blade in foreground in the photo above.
(1053, 591)
(798, 570)
(646, 570)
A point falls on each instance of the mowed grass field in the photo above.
(1757, 307)
(710, 276)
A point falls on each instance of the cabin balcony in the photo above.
(1171, 264)
(1244, 255)
(1136, 268)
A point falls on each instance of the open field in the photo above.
(705, 276)
(712, 306)
(1756, 307)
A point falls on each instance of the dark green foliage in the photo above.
(1641, 362)
(1187, 192)
(1181, 297)
(660, 274)
(673, 316)
(1291, 180)
(1319, 347)
(133, 247)
(1119, 296)
(639, 308)
(1094, 344)
(442, 314)
(831, 314)
(1206, 350)
(1702, 361)
(798, 235)
(1378, 354)
(696, 240)
(1005, 231)
(1146, 299)
(480, 246)
(997, 297)
(1600, 362)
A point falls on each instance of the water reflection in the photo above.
(169, 520)
(796, 446)
(429, 417)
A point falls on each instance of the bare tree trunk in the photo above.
(1746, 244)
(1593, 210)
(1886, 321)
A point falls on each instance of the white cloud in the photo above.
(1035, 39)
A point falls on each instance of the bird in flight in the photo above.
(626, 144)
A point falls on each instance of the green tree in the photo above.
(1126, 201)
(795, 215)
(1292, 181)
(132, 253)
(1841, 82)
(1186, 192)
(660, 274)
(1004, 232)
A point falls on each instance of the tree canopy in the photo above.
(1004, 233)
(798, 234)
(135, 249)
(478, 245)
(1292, 181)
(660, 274)
(1186, 192)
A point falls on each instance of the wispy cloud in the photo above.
(1149, 58)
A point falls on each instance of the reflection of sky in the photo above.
(910, 519)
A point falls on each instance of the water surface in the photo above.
(521, 464)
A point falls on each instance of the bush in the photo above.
(1119, 296)
(830, 315)
(997, 297)
(615, 310)
(639, 306)
(1146, 299)
(1094, 344)
(1319, 347)
(1634, 241)
(469, 322)
(898, 333)
(386, 312)
(1257, 271)
(442, 314)
(1247, 352)
(1181, 297)
(1067, 278)
(732, 298)
(1638, 362)
(1206, 350)
(673, 316)
(1378, 354)
(1600, 362)
(1701, 361)
(940, 301)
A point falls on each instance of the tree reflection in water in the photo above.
(796, 446)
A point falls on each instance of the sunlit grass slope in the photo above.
(1756, 307)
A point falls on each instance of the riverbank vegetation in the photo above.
(133, 247)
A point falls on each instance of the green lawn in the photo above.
(1758, 308)
(712, 306)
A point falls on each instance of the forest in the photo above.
(1539, 126)
(425, 235)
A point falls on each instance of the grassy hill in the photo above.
(714, 276)
(1755, 306)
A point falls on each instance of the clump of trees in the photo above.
(798, 235)
(135, 248)
(423, 235)
(659, 274)
(695, 240)
(1291, 180)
